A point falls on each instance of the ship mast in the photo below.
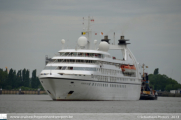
(143, 66)
(88, 31)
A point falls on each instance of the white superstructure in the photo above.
(92, 74)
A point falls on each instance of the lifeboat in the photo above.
(126, 68)
(122, 68)
(133, 68)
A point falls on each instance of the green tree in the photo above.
(33, 79)
(18, 81)
(156, 71)
(35, 83)
(163, 82)
(176, 86)
(27, 79)
(10, 79)
(3, 78)
(25, 76)
(169, 87)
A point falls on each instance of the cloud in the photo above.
(29, 30)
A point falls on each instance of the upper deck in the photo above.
(86, 57)
(83, 51)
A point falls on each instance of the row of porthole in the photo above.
(105, 78)
(105, 85)
(109, 71)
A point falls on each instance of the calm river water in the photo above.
(43, 104)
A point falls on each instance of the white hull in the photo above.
(59, 89)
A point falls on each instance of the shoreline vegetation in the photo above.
(12, 80)
(162, 82)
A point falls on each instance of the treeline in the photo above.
(12, 80)
(163, 82)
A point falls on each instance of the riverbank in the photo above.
(167, 94)
(23, 92)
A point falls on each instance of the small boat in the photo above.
(147, 93)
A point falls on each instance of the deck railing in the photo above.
(74, 62)
(90, 56)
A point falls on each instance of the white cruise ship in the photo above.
(86, 73)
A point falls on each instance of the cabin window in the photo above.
(66, 54)
(74, 54)
(64, 67)
(84, 68)
(82, 54)
(70, 68)
(62, 54)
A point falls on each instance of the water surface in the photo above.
(43, 104)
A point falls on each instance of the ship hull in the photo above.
(79, 89)
(148, 97)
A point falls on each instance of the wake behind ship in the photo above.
(86, 73)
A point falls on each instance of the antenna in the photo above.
(83, 21)
(76, 48)
(67, 42)
(114, 38)
(95, 42)
(63, 42)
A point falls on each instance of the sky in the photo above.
(29, 30)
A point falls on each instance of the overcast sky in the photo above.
(31, 29)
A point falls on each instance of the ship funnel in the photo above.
(122, 41)
(106, 39)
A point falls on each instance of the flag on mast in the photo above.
(92, 20)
